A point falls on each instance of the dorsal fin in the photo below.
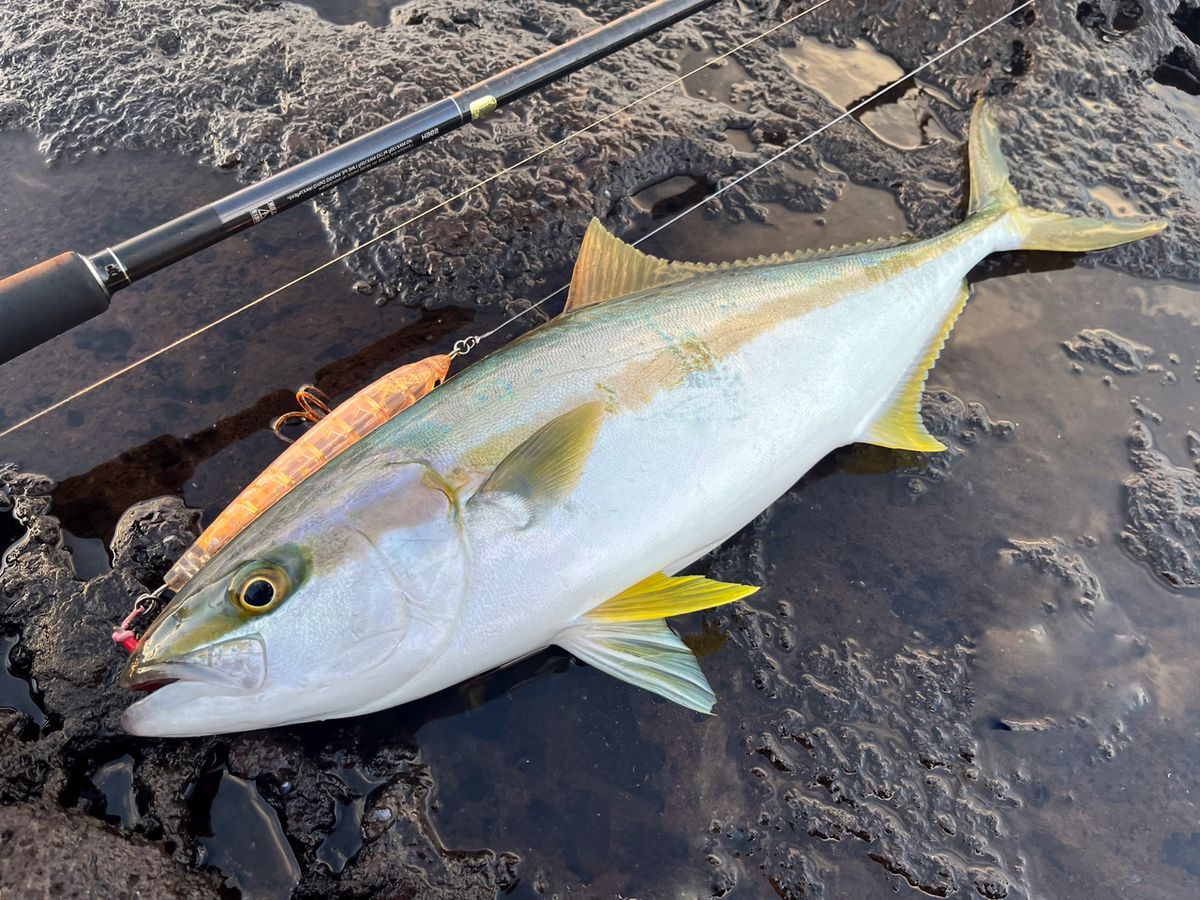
(608, 267)
(900, 426)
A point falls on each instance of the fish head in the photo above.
(328, 605)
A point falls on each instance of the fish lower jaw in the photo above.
(185, 709)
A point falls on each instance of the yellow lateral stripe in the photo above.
(660, 596)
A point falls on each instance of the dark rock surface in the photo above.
(258, 86)
(174, 792)
(56, 854)
(1101, 347)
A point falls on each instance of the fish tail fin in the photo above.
(1032, 228)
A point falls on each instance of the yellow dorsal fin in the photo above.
(608, 267)
(900, 426)
(809, 255)
(660, 596)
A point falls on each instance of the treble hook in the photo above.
(314, 406)
(123, 634)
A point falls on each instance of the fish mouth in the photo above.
(238, 665)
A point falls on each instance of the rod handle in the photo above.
(45, 300)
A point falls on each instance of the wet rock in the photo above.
(251, 811)
(1102, 347)
(1186, 18)
(56, 854)
(957, 423)
(879, 757)
(1163, 504)
(151, 535)
(1054, 558)
(1067, 627)
(948, 416)
(852, 756)
(274, 84)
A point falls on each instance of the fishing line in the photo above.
(422, 214)
(464, 346)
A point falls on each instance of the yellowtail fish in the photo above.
(549, 493)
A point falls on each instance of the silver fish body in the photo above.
(548, 494)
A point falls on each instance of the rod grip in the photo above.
(45, 300)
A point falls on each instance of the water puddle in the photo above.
(1116, 203)
(720, 82)
(114, 780)
(345, 839)
(11, 531)
(17, 690)
(905, 119)
(858, 213)
(671, 196)
(377, 13)
(968, 675)
(741, 140)
(843, 75)
(240, 834)
(89, 555)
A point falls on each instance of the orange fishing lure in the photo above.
(343, 427)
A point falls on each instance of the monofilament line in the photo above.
(420, 215)
(469, 343)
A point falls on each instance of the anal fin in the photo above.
(899, 426)
(645, 654)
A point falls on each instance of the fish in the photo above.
(550, 493)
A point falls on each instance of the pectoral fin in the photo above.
(645, 654)
(547, 466)
(900, 426)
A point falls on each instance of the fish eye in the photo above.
(260, 589)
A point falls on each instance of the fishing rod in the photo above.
(466, 345)
(54, 296)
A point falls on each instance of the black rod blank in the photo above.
(53, 296)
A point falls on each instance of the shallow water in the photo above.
(972, 674)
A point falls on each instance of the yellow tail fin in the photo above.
(1038, 229)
